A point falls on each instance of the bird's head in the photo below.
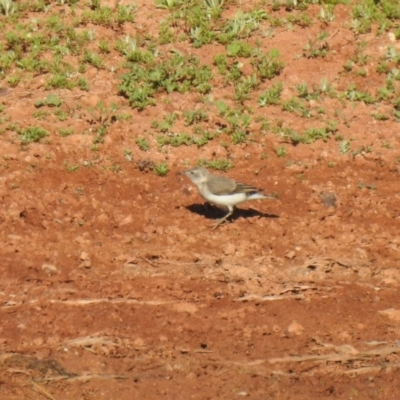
(197, 175)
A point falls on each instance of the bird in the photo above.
(223, 191)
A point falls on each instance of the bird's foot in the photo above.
(221, 221)
(218, 223)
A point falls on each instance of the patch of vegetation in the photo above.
(237, 123)
(106, 16)
(7, 7)
(194, 117)
(296, 106)
(161, 169)
(267, 65)
(64, 132)
(166, 124)
(176, 73)
(51, 101)
(143, 144)
(317, 47)
(271, 96)
(219, 165)
(199, 138)
(32, 134)
(353, 94)
(281, 151)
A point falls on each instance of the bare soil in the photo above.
(114, 286)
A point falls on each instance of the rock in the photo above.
(138, 342)
(86, 262)
(329, 199)
(50, 269)
(295, 329)
(185, 307)
(390, 276)
(391, 313)
(344, 336)
(290, 255)
(229, 249)
(126, 221)
(38, 341)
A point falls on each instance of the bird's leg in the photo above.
(220, 221)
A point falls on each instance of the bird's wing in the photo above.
(243, 188)
(220, 185)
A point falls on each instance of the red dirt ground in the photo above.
(113, 285)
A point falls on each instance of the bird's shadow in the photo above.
(213, 212)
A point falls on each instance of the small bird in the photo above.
(223, 191)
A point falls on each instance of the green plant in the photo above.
(344, 146)
(380, 117)
(70, 167)
(93, 59)
(271, 96)
(200, 35)
(303, 91)
(174, 139)
(317, 47)
(41, 114)
(13, 81)
(125, 13)
(219, 165)
(7, 7)
(100, 133)
(128, 154)
(165, 124)
(104, 47)
(267, 65)
(396, 109)
(176, 73)
(165, 33)
(325, 87)
(51, 101)
(61, 115)
(242, 25)
(245, 86)
(326, 14)
(65, 132)
(103, 114)
(361, 72)
(143, 144)
(168, 4)
(353, 94)
(281, 151)
(161, 169)
(106, 16)
(238, 48)
(65, 80)
(214, 8)
(221, 62)
(32, 134)
(296, 106)
(348, 66)
(302, 19)
(237, 123)
(313, 134)
(192, 117)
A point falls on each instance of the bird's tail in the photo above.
(258, 195)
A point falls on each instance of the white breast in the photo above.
(225, 200)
